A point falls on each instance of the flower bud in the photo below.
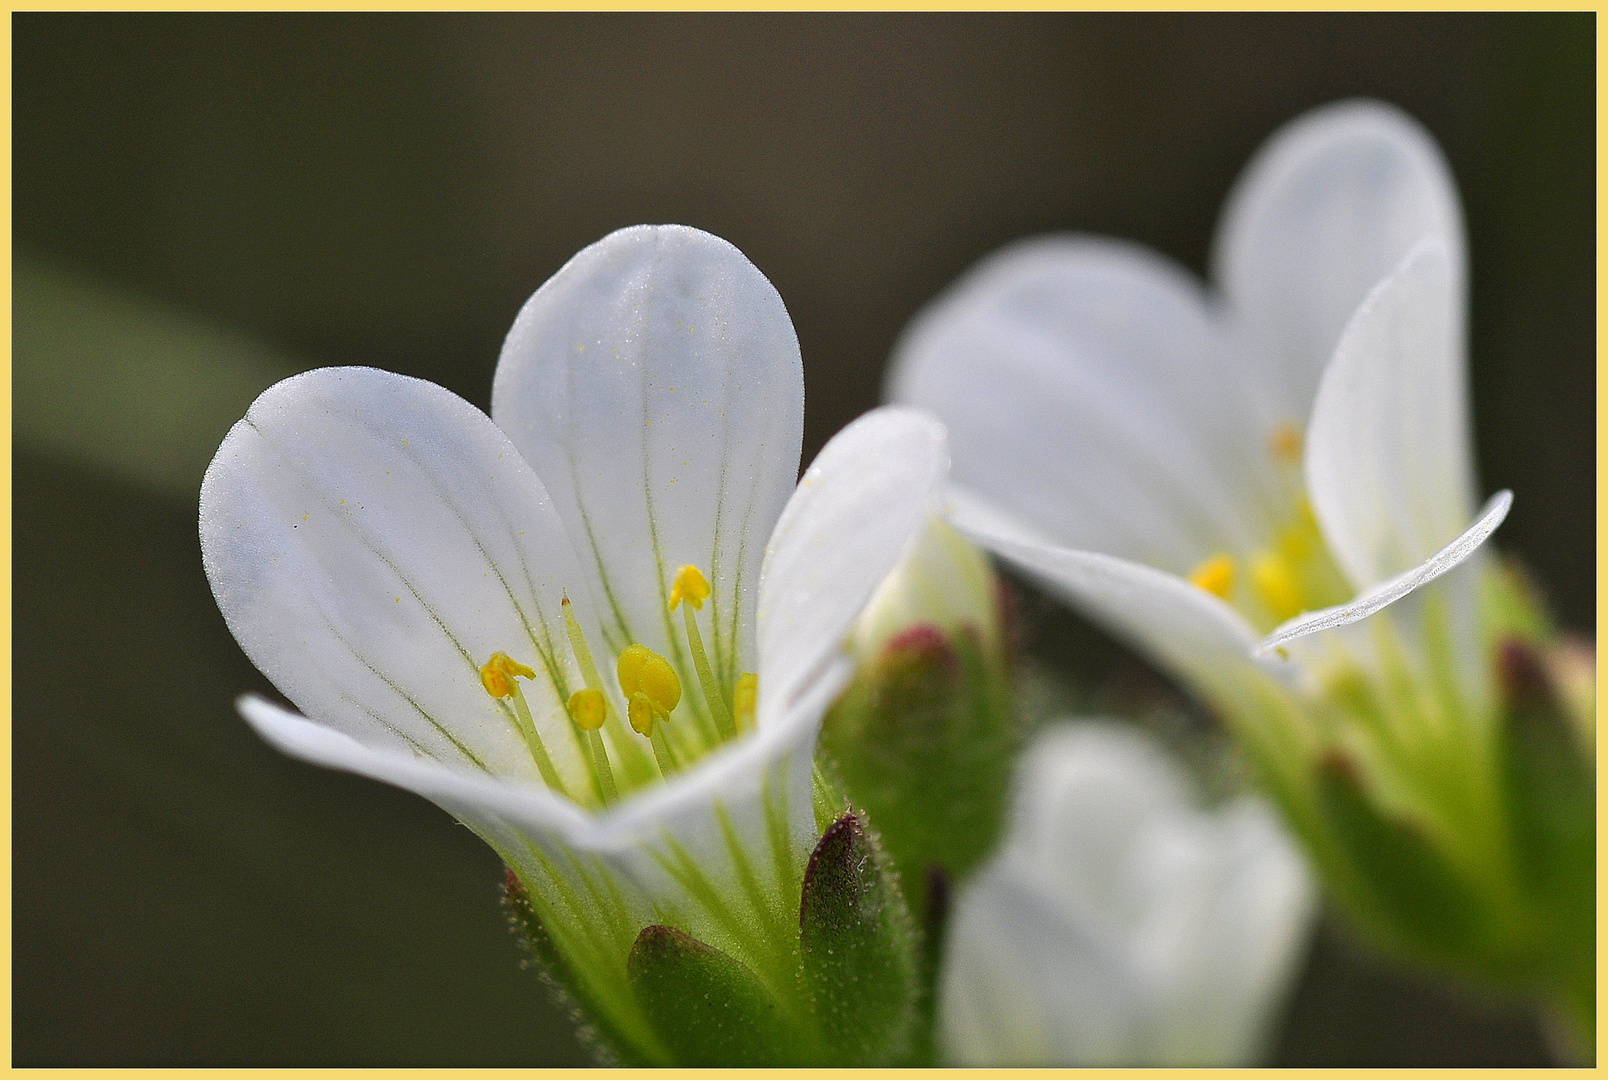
(923, 738)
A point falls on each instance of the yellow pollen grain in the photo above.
(1277, 586)
(588, 709)
(690, 585)
(1215, 575)
(1285, 442)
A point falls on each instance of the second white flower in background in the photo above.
(1121, 925)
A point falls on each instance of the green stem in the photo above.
(600, 764)
(662, 751)
(706, 677)
(527, 728)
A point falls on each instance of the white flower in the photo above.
(1205, 472)
(376, 543)
(1119, 924)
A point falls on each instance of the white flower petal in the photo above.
(1022, 987)
(1326, 209)
(1491, 515)
(1388, 454)
(1232, 941)
(468, 796)
(1178, 624)
(1120, 925)
(1085, 388)
(371, 540)
(655, 385)
(862, 502)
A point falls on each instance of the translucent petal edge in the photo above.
(1491, 515)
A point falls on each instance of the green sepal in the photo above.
(1410, 894)
(1552, 793)
(707, 1007)
(568, 992)
(925, 740)
(1552, 799)
(858, 949)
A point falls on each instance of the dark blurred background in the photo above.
(203, 203)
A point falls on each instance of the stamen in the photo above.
(1215, 575)
(497, 676)
(583, 655)
(643, 671)
(691, 586)
(663, 753)
(602, 773)
(589, 708)
(642, 716)
(652, 690)
(746, 700)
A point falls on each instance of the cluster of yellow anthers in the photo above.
(649, 683)
(1295, 573)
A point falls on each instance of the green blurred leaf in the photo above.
(114, 380)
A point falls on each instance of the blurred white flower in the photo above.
(1203, 473)
(403, 568)
(1120, 924)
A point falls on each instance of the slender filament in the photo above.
(706, 677)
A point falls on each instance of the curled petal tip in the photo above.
(1491, 515)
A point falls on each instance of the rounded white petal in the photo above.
(371, 540)
(1086, 390)
(1120, 925)
(1327, 208)
(861, 504)
(655, 385)
(1388, 454)
(1388, 592)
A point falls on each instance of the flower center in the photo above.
(1294, 572)
(651, 691)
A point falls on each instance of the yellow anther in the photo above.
(498, 674)
(629, 667)
(690, 585)
(641, 712)
(1215, 575)
(643, 671)
(588, 709)
(746, 699)
(1285, 442)
(1277, 585)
